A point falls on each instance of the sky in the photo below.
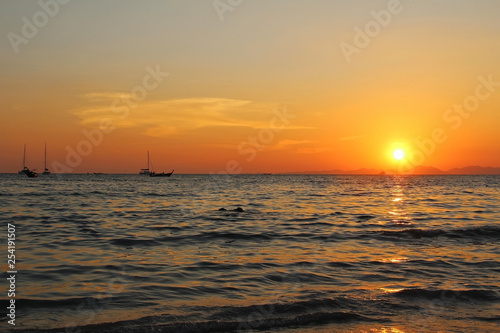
(249, 86)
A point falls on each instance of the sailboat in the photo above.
(153, 173)
(23, 171)
(145, 172)
(26, 171)
(45, 170)
(163, 174)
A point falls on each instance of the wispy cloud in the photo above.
(104, 96)
(166, 117)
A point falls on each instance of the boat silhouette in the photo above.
(152, 172)
(26, 171)
(45, 170)
(145, 172)
(163, 174)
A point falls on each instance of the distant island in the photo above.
(420, 170)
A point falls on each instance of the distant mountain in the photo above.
(425, 170)
(339, 172)
(364, 171)
(420, 170)
(474, 170)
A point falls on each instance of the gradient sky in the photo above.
(228, 77)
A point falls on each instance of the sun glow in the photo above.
(398, 154)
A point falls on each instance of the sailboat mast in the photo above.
(148, 160)
(24, 157)
(45, 158)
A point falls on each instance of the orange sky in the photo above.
(230, 73)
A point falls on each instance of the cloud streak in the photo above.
(166, 117)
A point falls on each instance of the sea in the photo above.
(251, 253)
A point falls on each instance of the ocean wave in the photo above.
(134, 242)
(25, 303)
(482, 232)
(414, 233)
(228, 325)
(449, 295)
(246, 319)
(337, 309)
(494, 319)
(235, 235)
(365, 217)
(305, 219)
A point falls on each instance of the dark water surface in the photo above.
(128, 253)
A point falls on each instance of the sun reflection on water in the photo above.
(391, 290)
(395, 260)
(398, 214)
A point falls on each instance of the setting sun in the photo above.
(329, 152)
(398, 154)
